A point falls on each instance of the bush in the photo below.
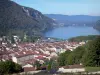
(7, 67)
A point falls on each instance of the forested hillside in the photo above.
(83, 38)
(88, 55)
(17, 19)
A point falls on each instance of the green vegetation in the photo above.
(15, 20)
(70, 58)
(76, 56)
(29, 38)
(62, 60)
(92, 53)
(92, 69)
(37, 64)
(8, 67)
(88, 55)
(83, 38)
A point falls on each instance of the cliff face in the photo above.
(15, 18)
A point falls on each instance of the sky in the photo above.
(66, 7)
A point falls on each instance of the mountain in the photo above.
(97, 25)
(74, 19)
(17, 19)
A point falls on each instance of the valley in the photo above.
(56, 41)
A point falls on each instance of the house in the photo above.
(28, 67)
(22, 58)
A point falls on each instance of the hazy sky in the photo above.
(67, 7)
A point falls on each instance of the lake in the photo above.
(71, 31)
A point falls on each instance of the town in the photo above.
(26, 54)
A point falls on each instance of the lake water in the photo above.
(71, 31)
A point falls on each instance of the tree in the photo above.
(78, 53)
(12, 39)
(7, 67)
(49, 67)
(92, 54)
(17, 68)
(37, 64)
(54, 65)
(88, 55)
(62, 59)
(71, 59)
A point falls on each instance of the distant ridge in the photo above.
(74, 19)
(97, 25)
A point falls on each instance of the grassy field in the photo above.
(92, 69)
